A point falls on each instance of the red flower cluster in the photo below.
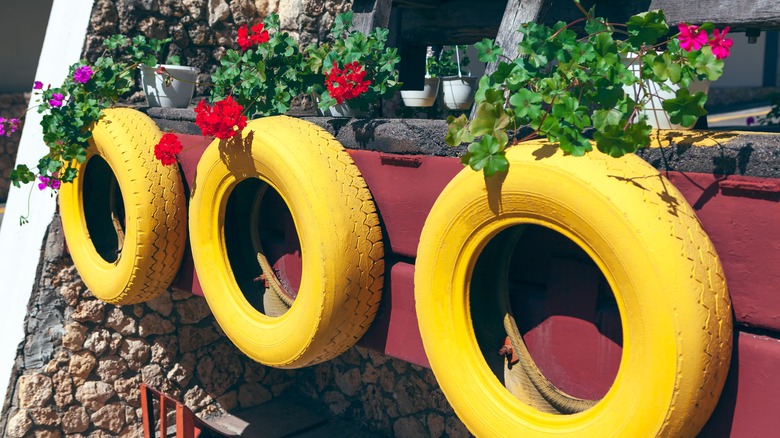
(348, 83)
(258, 36)
(167, 148)
(694, 38)
(223, 120)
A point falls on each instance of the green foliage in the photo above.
(265, 78)
(66, 128)
(445, 64)
(347, 46)
(563, 83)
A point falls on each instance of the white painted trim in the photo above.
(21, 245)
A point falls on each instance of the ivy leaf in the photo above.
(685, 108)
(488, 50)
(616, 141)
(487, 155)
(458, 131)
(526, 103)
(646, 28)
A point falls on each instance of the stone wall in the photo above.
(203, 29)
(11, 105)
(78, 371)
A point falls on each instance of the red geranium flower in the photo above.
(691, 37)
(223, 120)
(258, 36)
(167, 148)
(721, 46)
(346, 84)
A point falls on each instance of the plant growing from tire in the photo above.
(563, 83)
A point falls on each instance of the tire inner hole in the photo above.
(104, 209)
(258, 224)
(563, 307)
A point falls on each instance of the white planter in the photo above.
(424, 97)
(176, 95)
(459, 91)
(657, 117)
(340, 110)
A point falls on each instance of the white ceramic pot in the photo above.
(424, 97)
(177, 94)
(657, 117)
(342, 110)
(459, 91)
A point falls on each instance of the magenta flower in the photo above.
(2, 126)
(56, 100)
(14, 125)
(82, 74)
(37, 85)
(721, 46)
(45, 181)
(691, 37)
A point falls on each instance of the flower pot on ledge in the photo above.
(422, 98)
(177, 93)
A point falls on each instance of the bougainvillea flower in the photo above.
(346, 84)
(167, 148)
(14, 124)
(82, 74)
(56, 100)
(721, 46)
(222, 120)
(45, 181)
(691, 37)
(37, 85)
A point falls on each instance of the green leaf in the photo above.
(526, 103)
(646, 28)
(488, 50)
(666, 69)
(491, 120)
(606, 117)
(616, 141)
(706, 64)
(685, 108)
(487, 155)
(458, 131)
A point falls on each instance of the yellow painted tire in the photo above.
(121, 155)
(662, 268)
(339, 234)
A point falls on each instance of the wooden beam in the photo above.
(452, 22)
(370, 14)
(739, 14)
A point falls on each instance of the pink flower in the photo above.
(56, 100)
(691, 37)
(45, 181)
(721, 46)
(82, 74)
(37, 85)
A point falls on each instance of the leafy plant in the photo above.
(564, 83)
(265, 75)
(372, 56)
(70, 110)
(445, 64)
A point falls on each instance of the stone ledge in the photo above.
(755, 154)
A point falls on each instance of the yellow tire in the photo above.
(663, 270)
(337, 226)
(124, 214)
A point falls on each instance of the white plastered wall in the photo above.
(20, 245)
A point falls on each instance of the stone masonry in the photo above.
(79, 369)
